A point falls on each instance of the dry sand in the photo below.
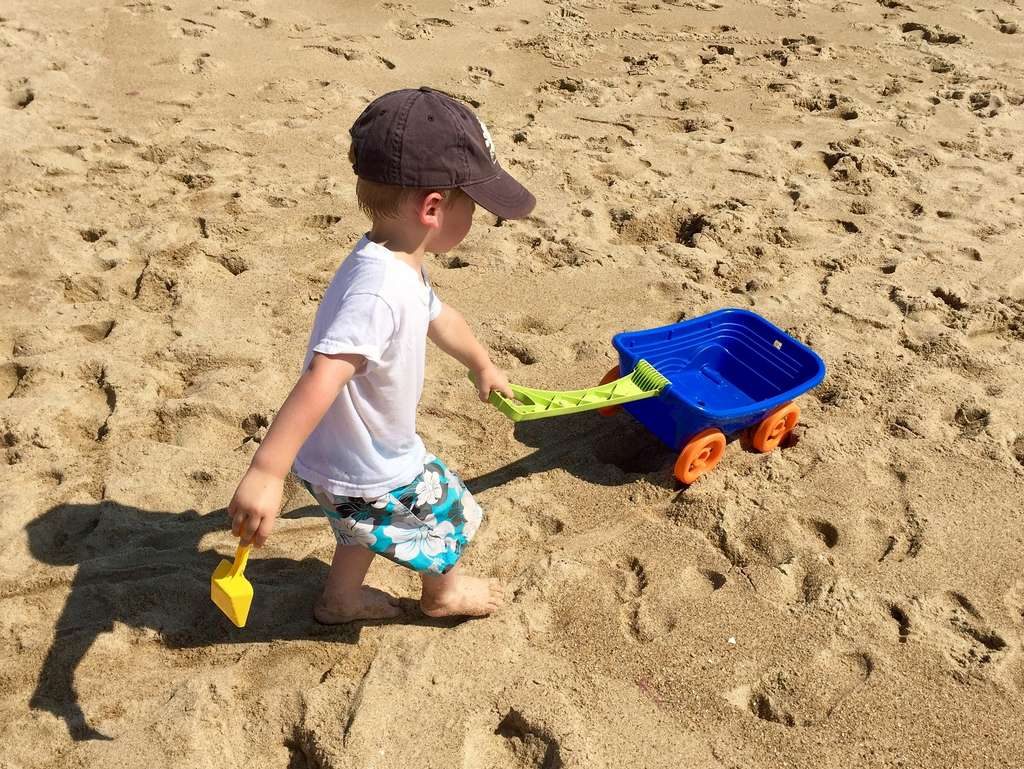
(173, 201)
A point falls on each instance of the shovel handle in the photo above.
(241, 558)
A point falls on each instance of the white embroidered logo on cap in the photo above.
(488, 141)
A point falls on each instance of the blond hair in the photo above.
(385, 201)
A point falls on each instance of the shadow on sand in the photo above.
(145, 569)
(595, 449)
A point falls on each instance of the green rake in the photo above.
(644, 381)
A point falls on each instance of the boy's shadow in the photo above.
(594, 448)
(144, 569)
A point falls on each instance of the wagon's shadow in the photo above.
(597, 449)
(608, 451)
(144, 569)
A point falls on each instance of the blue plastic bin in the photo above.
(728, 369)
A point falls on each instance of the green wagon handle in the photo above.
(644, 381)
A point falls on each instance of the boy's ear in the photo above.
(430, 209)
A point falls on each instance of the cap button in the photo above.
(425, 89)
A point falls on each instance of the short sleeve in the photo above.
(434, 305)
(363, 324)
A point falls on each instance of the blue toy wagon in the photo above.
(693, 384)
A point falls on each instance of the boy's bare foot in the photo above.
(464, 597)
(369, 603)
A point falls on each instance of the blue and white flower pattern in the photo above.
(422, 541)
(352, 532)
(473, 514)
(428, 490)
(424, 525)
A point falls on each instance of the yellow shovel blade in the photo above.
(229, 588)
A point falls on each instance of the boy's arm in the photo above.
(257, 500)
(451, 333)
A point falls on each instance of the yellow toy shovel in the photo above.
(229, 588)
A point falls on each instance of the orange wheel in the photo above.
(775, 427)
(700, 455)
(611, 376)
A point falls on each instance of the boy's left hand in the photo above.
(491, 378)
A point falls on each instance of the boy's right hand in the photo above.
(255, 505)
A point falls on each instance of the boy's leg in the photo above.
(456, 595)
(345, 597)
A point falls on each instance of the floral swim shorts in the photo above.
(423, 526)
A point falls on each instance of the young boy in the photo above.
(348, 428)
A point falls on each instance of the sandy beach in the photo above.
(175, 197)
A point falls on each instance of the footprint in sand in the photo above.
(700, 583)
(281, 201)
(230, 261)
(965, 618)
(895, 5)
(934, 35)
(321, 221)
(830, 104)
(715, 579)
(155, 292)
(809, 694)
(13, 379)
(972, 418)
(9, 441)
(194, 423)
(350, 54)
(423, 29)
(51, 478)
(20, 94)
(84, 288)
(145, 7)
(907, 535)
(668, 226)
(517, 350)
(478, 75)
(255, 427)
(644, 621)
(984, 104)
(951, 622)
(531, 324)
(195, 28)
(95, 400)
(195, 182)
(202, 64)
(823, 531)
(1004, 25)
(902, 620)
(633, 587)
(255, 21)
(975, 647)
(95, 332)
(950, 298)
(515, 743)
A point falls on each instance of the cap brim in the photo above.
(503, 196)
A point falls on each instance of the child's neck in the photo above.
(406, 245)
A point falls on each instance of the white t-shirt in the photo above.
(379, 307)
